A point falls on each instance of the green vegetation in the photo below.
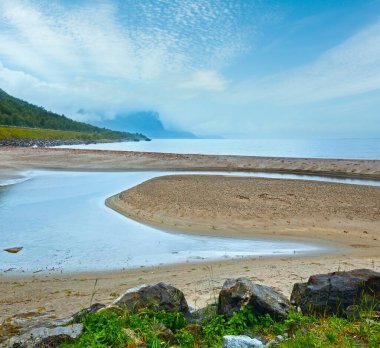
(46, 134)
(18, 113)
(108, 329)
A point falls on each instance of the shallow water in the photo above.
(305, 148)
(60, 220)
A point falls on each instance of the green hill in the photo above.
(18, 113)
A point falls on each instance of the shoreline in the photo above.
(64, 294)
(61, 295)
(19, 159)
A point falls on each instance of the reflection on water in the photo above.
(62, 223)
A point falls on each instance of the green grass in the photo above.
(107, 329)
(45, 134)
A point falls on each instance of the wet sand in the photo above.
(61, 295)
(247, 207)
(21, 159)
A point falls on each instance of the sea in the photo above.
(304, 148)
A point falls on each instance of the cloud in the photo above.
(178, 57)
(114, 55)
(351, 68)
(208, 80)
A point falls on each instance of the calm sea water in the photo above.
(61, 221)
(328, 148)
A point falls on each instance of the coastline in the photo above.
(61, 295)
(20, 159)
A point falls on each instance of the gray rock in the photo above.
(241, 342)
(239, 293)
(332, 293)
(158, 297)
(43, 337)
(163, 333)
(204, 315)
(96, 307)
(23, 323)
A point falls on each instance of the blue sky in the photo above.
(250, 68)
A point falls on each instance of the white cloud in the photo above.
(112, 55)
(209, 80)
(351, 68)
(165, 54)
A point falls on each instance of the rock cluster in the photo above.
(44, 142)
(323, 294)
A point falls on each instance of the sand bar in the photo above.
(60, 295)
(20, 159)
(246, 207)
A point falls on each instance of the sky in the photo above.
(230, 68)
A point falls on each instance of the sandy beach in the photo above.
(246, 207)
(345, 216)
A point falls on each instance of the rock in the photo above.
(77, 317)
(241, 342)
(237, 294)
(134, 340)
(23, 323)
(13, 250)
(204, 315)
(35, 143)
(280, 338)
(43, 337)
(163, 333)
(194, 329)
(158, 297)
(332, 293)
(113, 308)
(355, 312)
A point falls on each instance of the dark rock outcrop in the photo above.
(158, 297)
(332, 293)
(260, 299)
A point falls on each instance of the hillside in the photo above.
(19, 113)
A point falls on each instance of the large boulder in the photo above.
(332, 293)
(260, 299)
(158, 297)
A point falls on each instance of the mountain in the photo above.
(147, 122)
(19, 113)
